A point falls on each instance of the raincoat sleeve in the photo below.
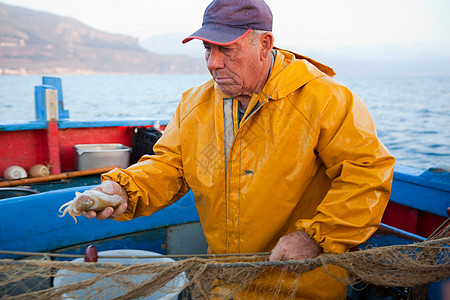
(360, 169)
(156, 181)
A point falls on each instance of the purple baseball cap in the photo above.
(227, 21)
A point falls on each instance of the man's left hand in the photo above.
(295, 246)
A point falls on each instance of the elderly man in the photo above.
(279, 156)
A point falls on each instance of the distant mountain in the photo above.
(34, 42)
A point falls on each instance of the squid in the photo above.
(89, 200)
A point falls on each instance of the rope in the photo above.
(436, 244)
(47, 254)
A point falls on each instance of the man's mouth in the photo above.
(223, 80)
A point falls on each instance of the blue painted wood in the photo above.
(22, 125)
(112, 123)
(65, 124)
(56, 83)
(32, 223)
(437, 178)
(423, 191)
(395, 237)
(39, 101)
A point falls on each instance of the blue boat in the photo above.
(31, 223)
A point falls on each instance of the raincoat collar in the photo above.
(291, 71)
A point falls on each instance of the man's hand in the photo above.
(295, 246)
(111, 188)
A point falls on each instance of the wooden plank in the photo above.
(186, 239)
(53, 147)
(64, 124)
(388, 235)
(22, 125)
(424, 194)
(32, 223)
(55, 176)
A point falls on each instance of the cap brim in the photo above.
(218, 35)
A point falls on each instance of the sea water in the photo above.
(412, 114)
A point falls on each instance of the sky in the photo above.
(381, 29)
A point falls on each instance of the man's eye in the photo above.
(225, 50)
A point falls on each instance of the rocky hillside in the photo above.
(34, 42)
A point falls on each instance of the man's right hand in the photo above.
(296, 245)
(111, 188)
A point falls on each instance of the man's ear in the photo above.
(267, 42)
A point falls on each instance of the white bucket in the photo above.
(108, 288)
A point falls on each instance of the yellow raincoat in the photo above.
(304, 157)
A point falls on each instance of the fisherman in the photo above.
(280, 157)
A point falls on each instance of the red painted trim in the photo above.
(216, 43)
(53, 146)
(413, 217)
(409, 219)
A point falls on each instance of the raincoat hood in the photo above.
(283, 79)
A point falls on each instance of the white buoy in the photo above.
(15, 172)
(38, 171)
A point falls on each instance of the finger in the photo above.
(277, 254)
(120, 210)
(90, 214)
(105, 214)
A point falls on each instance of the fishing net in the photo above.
(409, 265)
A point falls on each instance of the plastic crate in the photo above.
(143, 141)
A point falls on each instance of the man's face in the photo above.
(235, 68)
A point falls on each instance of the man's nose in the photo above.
(214, 59)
